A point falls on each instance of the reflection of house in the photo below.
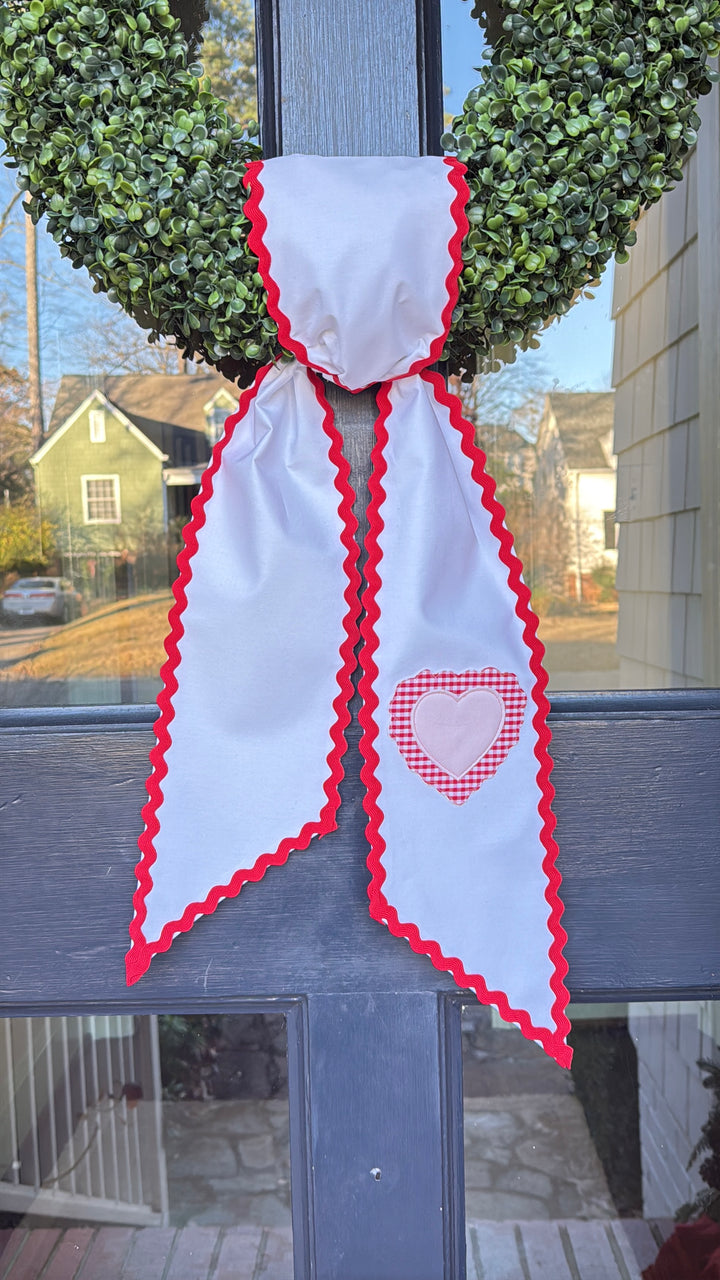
(511, 463)
(575, 489)
(510, 457)
(122, 461)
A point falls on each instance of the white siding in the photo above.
(657, 443)
(670, 1038)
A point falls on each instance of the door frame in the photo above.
(373, 1029)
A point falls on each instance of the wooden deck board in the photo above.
(107, 1253)
(492, 1251)
(277, 1259)
(6, 1235)
(544, 1253)
(593, 1253)
(12, 1242)
(194, 1253)
(27, 1262)
(640, 1239)
(238, 1254)
(570, 1250)
(149, 1253)
(624, 1243)
(69, 1254)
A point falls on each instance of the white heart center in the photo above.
(456, 730)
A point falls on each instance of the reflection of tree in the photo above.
(115, 345)
(512, 397)
(8, 216)
(222, 34)
(505, 408)
(551, 549)
(16, 442)
(8, 222)
(26, 542)
(55, 328)
(228, 56)
(110, 561)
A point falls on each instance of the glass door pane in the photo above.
(596, 438)
(145, 1146)
(586, 1173)
(102, 456)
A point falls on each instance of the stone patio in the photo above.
(527, 1156)
(228, 1162)
(528, 1152)
(530, 1156)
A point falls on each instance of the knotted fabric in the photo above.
(360, 258)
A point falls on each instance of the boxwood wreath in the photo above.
(581, 119)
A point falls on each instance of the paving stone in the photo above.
(525, 1182)
(487, 1154)
(221, 1215)
(257, 1152)
(478, 1175)
(262, 1209)
(491, 1135)
(569, 1201)
(246, 1181)
(277, 1112)
(183, 1113)
(204, 1157)
(536, 1145)
(504, 1206)
(595, 1199)
(192, 1192)
(244, 1117)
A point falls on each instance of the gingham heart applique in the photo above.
(455, 729)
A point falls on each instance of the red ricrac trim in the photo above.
(141, 951)
(457, 209)
(380, 909)
(256, 242)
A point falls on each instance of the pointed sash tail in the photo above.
(254, 706)
(454, 716)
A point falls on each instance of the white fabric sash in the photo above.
(360, 258)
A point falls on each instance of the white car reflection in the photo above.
(38, 599)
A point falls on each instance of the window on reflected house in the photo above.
(610, 530)
(97, 426)
(101, 499)
(216, 422)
